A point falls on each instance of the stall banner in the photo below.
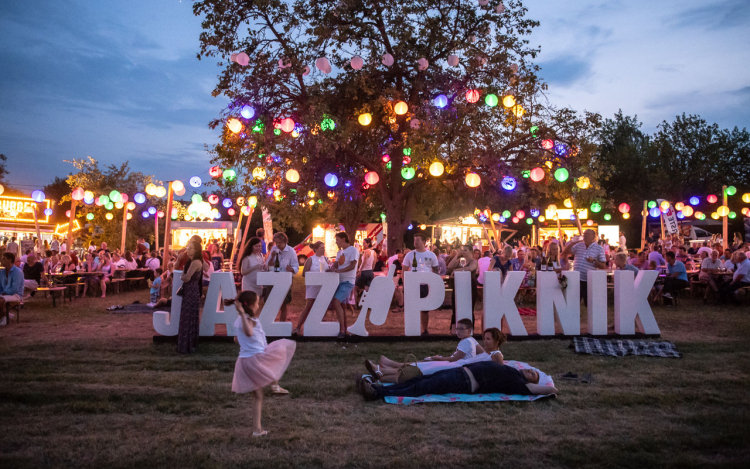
(670, 218)
(267, 228)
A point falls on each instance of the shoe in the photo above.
(276, 389)
(342, 335)
(369, 392)
(263, 433)
(667, 295)
(373, 369)
(425, 333)
(295, 332)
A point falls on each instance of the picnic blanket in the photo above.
(544, 380)
(620, 348)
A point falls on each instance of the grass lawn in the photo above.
(81, 387)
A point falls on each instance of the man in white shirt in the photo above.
(287, 263)
(12, 247)
(55, 245)
(346, 266)
(426, 262)
(589, 255)
(741, 278)
(394, 257)
(153, 262)
(623, 241)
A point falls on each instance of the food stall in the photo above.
(17, 218)
(327, 234)
(468, 230)
(182, 231)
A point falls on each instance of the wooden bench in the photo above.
(116, 283)
(13, 305)
(133, 281)
(53, 291)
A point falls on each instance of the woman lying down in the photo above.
(467, 352)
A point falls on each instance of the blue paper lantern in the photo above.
(247, 112)
(145, 214)
(48, 212)
(37, 196)
(331, 180)
(694, 200)
(195, 181)
(269, 191)
(572, 217)
(534, 212)
(410, 226)
(654, 212)
(561, 149)
(152, 210)
(680, 215)
(502, 220)
(508, 183)
(226, 203)
(441, 101)
(139, 198)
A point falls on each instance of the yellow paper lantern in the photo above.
(365, 119)
(472, 180)
(687, 210)
(129, 216)
(583, 182)
(151, 189)
(541, 219)
(259, 173)
(177, 186)
(715, 216)
(509, 101)
(422, 227)
(292, 176)
(495, 217)
(723, 211)
(745, 197)
(252, 201)
(625, 216)
(119, 205)
(131, 205)
(234, 125)
(664, 206)
(161, 191)
(311, 194)
(568, 203)
(109, 216)
(552, 208)
(518, 110)
(88, 195)
(400, 108)
(437, 169)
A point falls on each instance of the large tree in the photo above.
(445, 59)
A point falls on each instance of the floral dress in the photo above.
(187, 337)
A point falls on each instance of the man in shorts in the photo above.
(346, 266)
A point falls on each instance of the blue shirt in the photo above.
(631, 267)
(12, 282)
(679, 268)
(156, 285)
(263, 244)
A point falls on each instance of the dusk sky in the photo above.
(119, 80)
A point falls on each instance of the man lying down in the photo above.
(477, 378)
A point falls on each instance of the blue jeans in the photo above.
(454, 380)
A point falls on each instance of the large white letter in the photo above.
(378, 300)
(551, 301)
(631, 302)
(282, 282)
(164, 323)
(314, 325)
(596, 308)
(462, 287)
(499, 301)
(413, 304)
(220, 287)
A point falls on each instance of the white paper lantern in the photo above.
(473, 38)
(233, 57)
(414, 123)
(453, 60)
(243, 59)
(500, 8)
(307, 71)
(387, 60)
(484, 2)
(323, 65)
(284, 65)
(481, 61)
(357, 62)
(423, 63)
(514, 68)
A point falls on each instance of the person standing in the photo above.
(623, 241)
(345, 265)
(283, 257)
(316, 263)
(187, 337)
(589, 255)
(12, 247)
(252, 263)
(426, 262)
(365, 273)
(464, 261)
(260, 233)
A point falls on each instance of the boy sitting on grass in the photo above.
(155, 286)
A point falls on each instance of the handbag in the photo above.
(408, 370)
(180, 291)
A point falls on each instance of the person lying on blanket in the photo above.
(389, 371)
(476, 378)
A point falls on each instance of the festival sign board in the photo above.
(21, 209)
(670, 218)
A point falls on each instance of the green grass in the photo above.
(80, 387)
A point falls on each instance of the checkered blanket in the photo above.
(620, 348)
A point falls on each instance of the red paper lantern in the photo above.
(515, 219)
(712, 199)
(537, 174)
(287, 125)
(548, 144)
(386, 158)
(372, 178)
(472, 96)
(213, 199)
(215, 171)
(624, 208)
(520, 214)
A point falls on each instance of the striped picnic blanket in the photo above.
(620, 348)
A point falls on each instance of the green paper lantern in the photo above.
(407, 173)
(561, 174)
(89, 216)
(277, 131)
(506, 214)
(407, 151)
(596, 207)
(104, 199)
(109, 205)
(490, 100)
(529, 221)
(327, 124)
(607, 216)
(731, 190)
(652, 204)
(196, 199)
(526, 173)
(732, 215)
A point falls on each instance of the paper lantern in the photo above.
(386, 158)
(287, 125)
(607, 217)
(731, 190)
(372, 178)
(568, 203)
(552, 208)
(520, 214)
(407, 173)
(67, 214)
(226, 203)
(699, 215)
(715, 215)
(139, 198)
(119, 205)
(150, 189)
(400, 108)
(356, 62)
(625, 216)
(196, 199)
(365, 119)
(561, 174)
(472, 180)
(103, 199)
(509, 101)
(323, 65)
(2, 189)
(745, 211)
(243, 59)
(495, 217)
(109, 205)
(508, 183)
(240, 201)
(441, 101)
(387, 60)
(453, 60)
(37, 196)
(537, 174)
(247, 112)
(423, 63)
(518, 110)
(500, 8)
(292, 176)
(231, 212)
(214, 172)
(654, 212)
(712, 199)
(114, 196)
(234, 125)
(77, 194)
(515, 220)
(437, 169)
(732, 215)
(490, 100)
(687, 210)
(406, 160)
(252, 201)
(161, 191)
(331, 180)
(694, 201)
(145, 214)
(327, 124)
(723, 211)
(590, 222)
(583, 182)
(624, 208)
(596, 207)
(745, 197)
(472, 96)
(506, 214)
(307, 71)
(529, 221)
(679, 206)
(414, 123)
(534, 212)
(48, 212)
(259, 173)
(109, 216)
(651, 204)
(212, 199)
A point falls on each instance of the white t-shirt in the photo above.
(153, 263)
(468, 346)
(622, 242)
(743, 268)
(484, 265)
(250, 280)
(121, 264)
(708, 263)
(254, 344)
(345, 256)
(287, 257)
(705, 249)
(392, 259)
(425, 261)
(131, 265)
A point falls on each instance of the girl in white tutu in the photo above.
(259, 363)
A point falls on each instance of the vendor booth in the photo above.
(327, 233)
(182, 231)
(468, 230)
(17, 219)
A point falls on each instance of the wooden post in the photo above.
(167, 228)
(156, 231)
(235, 239)
(71, 219)
(124, 226)
(644, 213)
(36, 225)
(244, 237)
(661, 220)
(725, 222)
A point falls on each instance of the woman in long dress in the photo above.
(187, 338)
(252, 262)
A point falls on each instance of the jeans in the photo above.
(454, 380)
(673, 285)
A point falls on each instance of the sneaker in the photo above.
(342, 335)
(667, 295)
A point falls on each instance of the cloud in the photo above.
(719, 15)
(565, 71)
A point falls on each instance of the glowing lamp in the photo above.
(139, 198)
(48, 212)
(568, 203)
(561, 174)
(150, 188)
(109, 205)
(490, 100)
(177, 186)
(400, 108)
(680, 215)
(552, 208)
(624, 208)
(607, 216)
(515, 220)
(114, 196)
(723, 211)
(590, 222)
(365, 119)
(731, 190)
(744, 211)
(406, 160)
(495, 217)
(161, 191)
(625, 216)
(518, 110)
(472, 96)
(37, 196)
(119, 205)
(103, 199)
(287, 125)
(651, 204)
(596, 207)
(2, 189)
(89, 216)
(144, 214)
(214, 172)
(509, 101)
(437, 169)
(331, 180)
(160, 214)
(246, 211)
(372, 178)
(679, 206)
(229, 174)
(715, 216)
(131, 206)
(247, 112)
(548, 144)
(259, 173)
(732, 215)
(292, 176)
(327, 124)
(700, 215)
(537, 174)
(440, 101)
(541, 219)
(583, 182)
(196, 199)
(529, 221)
(252, 201)
(231, 212)
(67, 214)
(77, 194)
(386, 158)
(234, 125)
(746, 198)
(213, 199)
(109, 216)
(226, 203)
(654, 212)
(508, 183)
(407, 173)
(472, 180)
(152, 210)
(712, 199)
(694, 201)
(687, 210)
(520, 214)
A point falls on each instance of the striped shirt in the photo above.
(581, 253)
